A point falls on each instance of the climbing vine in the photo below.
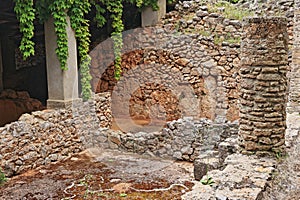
(26, 15)
(116, 10)
(81, 28)
(58, 9)
(76, 10)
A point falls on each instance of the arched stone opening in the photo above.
(160, 65)
(216, 65)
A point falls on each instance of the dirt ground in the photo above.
(98, 174)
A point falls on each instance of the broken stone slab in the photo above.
(201, 167)
(205, 163)
(244, 178)
(200, 191)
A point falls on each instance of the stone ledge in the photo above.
(243, 178)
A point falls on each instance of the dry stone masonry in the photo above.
(211, 69)
(208, 44)
(263, 86)
(182, 139)
(103, 109)
(170, 54)
(51, 135)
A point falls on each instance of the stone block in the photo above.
(202, 166)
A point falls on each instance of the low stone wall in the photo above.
(182, 139)
(51, 135)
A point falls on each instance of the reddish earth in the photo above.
(97, 174)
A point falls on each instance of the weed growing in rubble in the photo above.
(85, 182)
(229, 10)
(207, 180)
(123, 195)
(218, 39)
(281, 156)
(3, 179)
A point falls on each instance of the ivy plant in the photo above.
(26, 14)
(76, 10)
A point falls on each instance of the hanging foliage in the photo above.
(27, 10)
(26, 14)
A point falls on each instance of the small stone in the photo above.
(205, 8)
(201, 13)
(177, 155)
(220, 197)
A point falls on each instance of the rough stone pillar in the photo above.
(150, 17)
(264, 65)
(1, 69)
(62, 85)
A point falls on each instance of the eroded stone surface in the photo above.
(243, 178)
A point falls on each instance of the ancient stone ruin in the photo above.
(227, 92)
(263, 72)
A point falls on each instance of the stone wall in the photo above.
(51, 135)
(187, 55)
(263, 92)
(103, 109)
(182, 139)
(205, 40)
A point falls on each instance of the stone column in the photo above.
(1, 69)
(150, 17)
(62, 85)
(263, 85)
